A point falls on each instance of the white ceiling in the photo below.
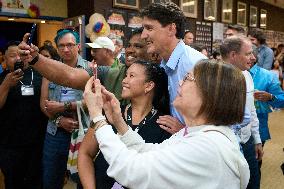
(278, 3)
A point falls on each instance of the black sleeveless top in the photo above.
(148, 129)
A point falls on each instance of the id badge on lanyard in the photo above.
(27, 90)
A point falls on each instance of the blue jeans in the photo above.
(55, 156)
(249, 153)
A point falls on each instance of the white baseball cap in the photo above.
(102, 42)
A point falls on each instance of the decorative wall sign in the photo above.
(210, 9)
(130, 4)
(189, 8)
(263, 18)
(242, 14)
(227, 11)
(253, 16)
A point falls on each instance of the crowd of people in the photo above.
(165, 114)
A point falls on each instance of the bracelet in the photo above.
(55, 117)
(99, 125)
(57, 121)
(96, 120)
(67, 106)
(35, 60)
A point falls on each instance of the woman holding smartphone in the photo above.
(145, 85)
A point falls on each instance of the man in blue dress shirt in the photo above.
(268, 94)
(163, 31)
(265, 54)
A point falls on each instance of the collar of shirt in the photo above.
(254, 70)
(171, 64)
(115, 63)
(80, 62)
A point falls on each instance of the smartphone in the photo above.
(32, 33)
(19, 65)
(95, 71)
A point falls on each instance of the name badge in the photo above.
(27, 90)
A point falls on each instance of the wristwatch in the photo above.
(273, 98)
(57, 121)
(31, 63)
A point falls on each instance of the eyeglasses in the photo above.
(68, 45)
(187, 77)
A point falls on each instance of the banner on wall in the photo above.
(116, 20)
(15, 6)
(134, 21)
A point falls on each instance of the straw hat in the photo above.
(97, 27)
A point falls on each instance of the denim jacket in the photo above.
(54, 93)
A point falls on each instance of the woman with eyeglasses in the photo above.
(205, 154)
(145, 85)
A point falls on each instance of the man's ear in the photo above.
(172, 29)
(232, 55)
(79, 47)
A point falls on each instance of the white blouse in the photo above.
(208, 157)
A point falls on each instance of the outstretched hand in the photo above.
(27, 52)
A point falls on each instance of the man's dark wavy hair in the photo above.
(165, 14)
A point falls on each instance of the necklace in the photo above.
(144, 121)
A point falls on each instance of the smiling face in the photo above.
(137, 50)
(188, 100)
(157, 37)
(134, 84)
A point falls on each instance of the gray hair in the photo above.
(233, 43)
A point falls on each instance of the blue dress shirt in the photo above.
(181, 61)
(265, 57)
